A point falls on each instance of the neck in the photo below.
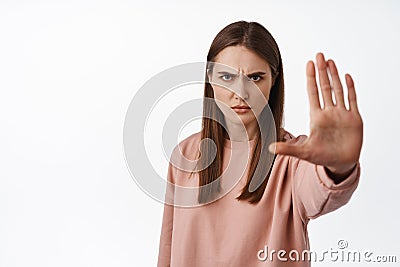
(239, 133)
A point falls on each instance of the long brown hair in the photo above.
(255, 37)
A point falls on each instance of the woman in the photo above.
(275, 192)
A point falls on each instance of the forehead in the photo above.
(243, 59)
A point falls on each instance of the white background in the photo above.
(69, 69)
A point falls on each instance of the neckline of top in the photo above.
(238, 144)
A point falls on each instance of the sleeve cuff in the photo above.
(329, 183)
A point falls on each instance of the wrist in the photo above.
(340, 173)
(341, 169)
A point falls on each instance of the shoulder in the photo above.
(189, 146)
(186, 151)
(185, 154)
(191, 140)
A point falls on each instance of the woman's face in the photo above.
(242, 83)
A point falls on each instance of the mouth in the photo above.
(241, 109)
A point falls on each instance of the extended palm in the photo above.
(336, 132)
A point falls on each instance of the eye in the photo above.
(255, 78)
(226, 77)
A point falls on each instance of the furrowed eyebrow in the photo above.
(226, 73)
(258, 73)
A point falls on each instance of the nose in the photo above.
(242, 90)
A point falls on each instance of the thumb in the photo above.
(286, 149)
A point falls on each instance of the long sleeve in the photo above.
(228, 232)
(315, 192)
(164, 254)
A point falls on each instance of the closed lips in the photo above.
(241, 107)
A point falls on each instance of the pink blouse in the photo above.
(229, 232)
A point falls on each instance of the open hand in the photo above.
(336, 133)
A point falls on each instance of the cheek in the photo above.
(266, 93)
(266, 88)
(259, 98)
(221, 94)
(262, 90)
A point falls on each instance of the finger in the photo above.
(351, 93)
(337, 85)
(312, 88)
(324, 81)
(284, 148)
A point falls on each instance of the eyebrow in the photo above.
(226, 73)
(258, 73)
